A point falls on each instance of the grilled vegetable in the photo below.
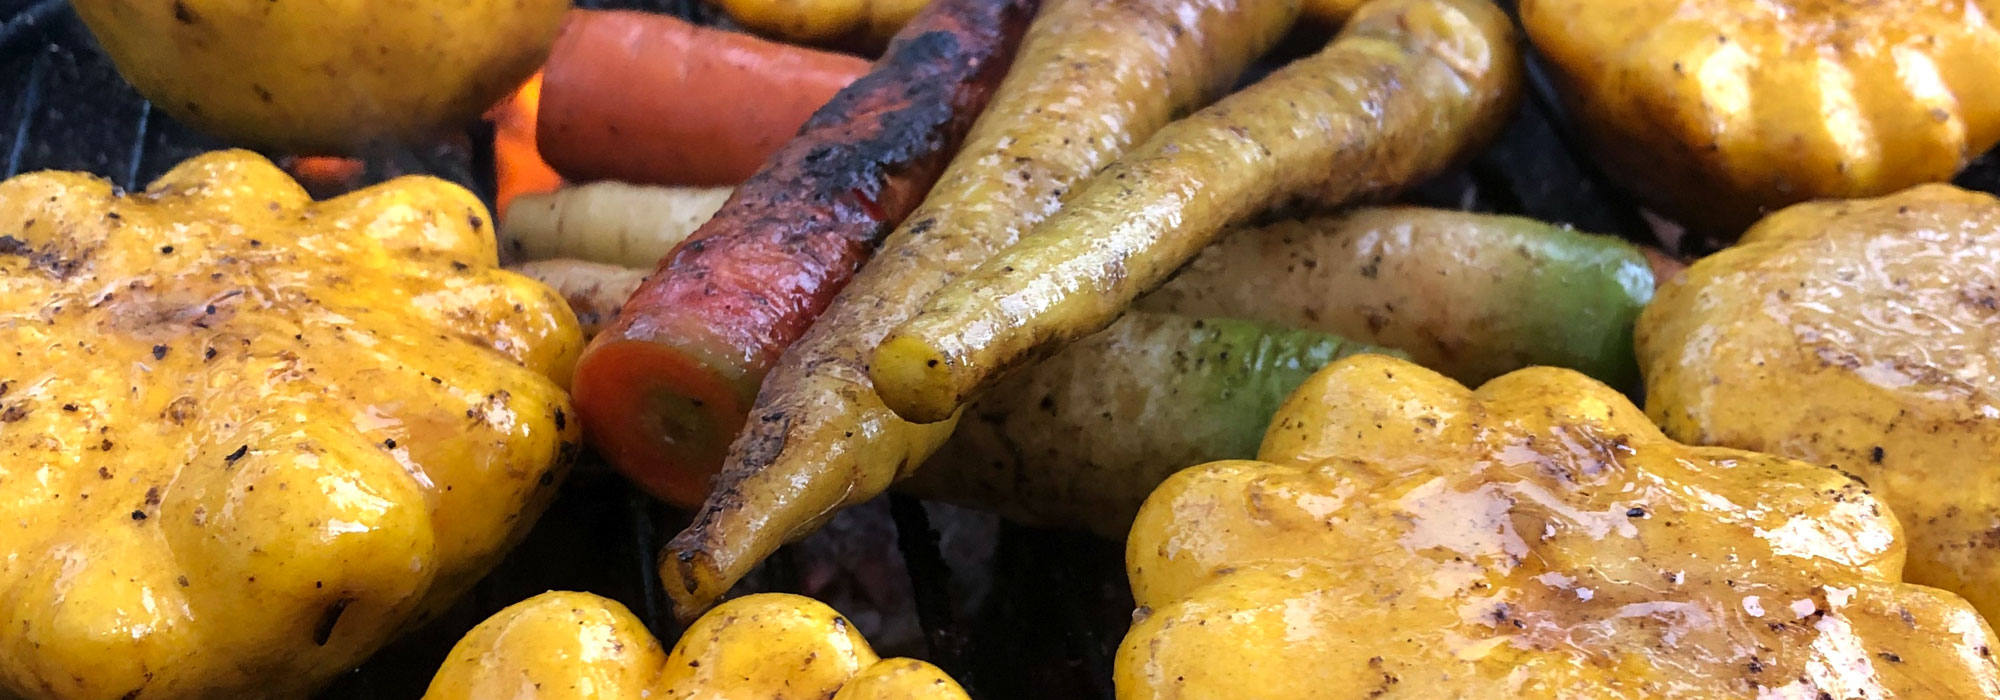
(323, 77)
(1857, 334)
(608, 222)
(247, 437)
(1406, 87)
(1332, 12)
(1405, 537)
(1093, 77)
(1078, 440)
(1471, 295)
(670, 381)
(1715, 111)
(577, 646)
(594, 291)
(824, 20)
(651, 99)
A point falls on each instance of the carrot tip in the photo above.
(662, 417)
(694, 580)
(914, 379)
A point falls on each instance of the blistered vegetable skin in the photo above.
(1471, 295)
(668, 383)
(1859, 334)
(1092, 78)
(1716, 111)
(1407, 86)
(1402, 536)
(246, 437)
(577, 646)
(1080, 439)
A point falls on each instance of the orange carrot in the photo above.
(330, 174)
(651, 99)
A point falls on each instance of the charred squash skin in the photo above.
(669, 382)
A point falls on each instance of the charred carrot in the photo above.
(1093, 78)
(667, 385)
(651, 99)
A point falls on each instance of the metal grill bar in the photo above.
(137, 156)
(28, 21)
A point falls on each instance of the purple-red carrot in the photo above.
(665, 387)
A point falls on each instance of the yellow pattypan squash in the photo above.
(577, 646)
(245, 437)
(1716, 111)
(1863, 334)
(1405, 537)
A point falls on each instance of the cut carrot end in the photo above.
(914, 380)
(662, 417)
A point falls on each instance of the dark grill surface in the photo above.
(1010, 611)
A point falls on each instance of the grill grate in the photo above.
(1010, 611)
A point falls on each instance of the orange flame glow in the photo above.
(518, 168)
(326, 172)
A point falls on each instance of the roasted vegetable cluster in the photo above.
(246, 437)
(1405, 537)
(1036, 257)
